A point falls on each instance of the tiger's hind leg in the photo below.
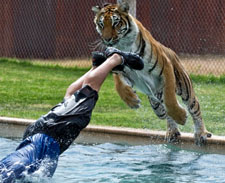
(186, 91)
(173, 132)
(201, 133)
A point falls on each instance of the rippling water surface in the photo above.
(113, 163)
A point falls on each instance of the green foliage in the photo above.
(208, 79)
(28, 90)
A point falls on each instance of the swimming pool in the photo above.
(112, 163)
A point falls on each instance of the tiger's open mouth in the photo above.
(110, 43)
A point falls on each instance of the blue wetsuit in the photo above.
(49, 136)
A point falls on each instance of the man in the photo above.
(54, 132)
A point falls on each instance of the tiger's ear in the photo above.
(96, 9)
(124, 6)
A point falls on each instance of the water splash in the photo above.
(44, 172)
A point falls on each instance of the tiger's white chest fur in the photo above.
(144, 81)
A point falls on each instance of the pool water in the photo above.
(112, 163)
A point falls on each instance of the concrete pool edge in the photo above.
(159, 135)
(14, 127)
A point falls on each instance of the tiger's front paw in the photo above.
(133, 103)
(130, 98)
(201, 138)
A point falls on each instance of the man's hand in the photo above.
(132, 60)
(98, 58)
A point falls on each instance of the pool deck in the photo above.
(14, 127)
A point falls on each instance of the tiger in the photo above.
(162, 78)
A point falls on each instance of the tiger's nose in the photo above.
(108, 39)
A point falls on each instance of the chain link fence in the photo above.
(63, 32)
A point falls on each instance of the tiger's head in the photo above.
(112, 22)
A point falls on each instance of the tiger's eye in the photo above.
(119, 24)
(101, 25)
(116, 20)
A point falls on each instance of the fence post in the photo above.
(132, 4)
